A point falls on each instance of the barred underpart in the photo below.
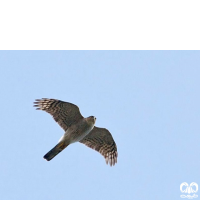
(102, 141)
(63, 112)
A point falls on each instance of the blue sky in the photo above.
(148, 100)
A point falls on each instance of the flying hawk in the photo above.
(78, 129)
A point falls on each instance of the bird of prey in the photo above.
(78, 129)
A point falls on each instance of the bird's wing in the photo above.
(101, 140)
(63, 112)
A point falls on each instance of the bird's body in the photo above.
(78, 129)
(74, 133)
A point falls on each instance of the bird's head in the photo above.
(92, 119)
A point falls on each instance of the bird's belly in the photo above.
(75, 134)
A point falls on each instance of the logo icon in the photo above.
(192, 188)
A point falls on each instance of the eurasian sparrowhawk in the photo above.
(78, 129)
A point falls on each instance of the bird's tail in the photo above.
(56, 150)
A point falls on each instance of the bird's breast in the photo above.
(78, 131)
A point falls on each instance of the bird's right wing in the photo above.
(101, 140)
(63, 112)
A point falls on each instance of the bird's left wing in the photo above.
(101, 140)
(63, 112)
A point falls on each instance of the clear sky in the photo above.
(148, 100)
